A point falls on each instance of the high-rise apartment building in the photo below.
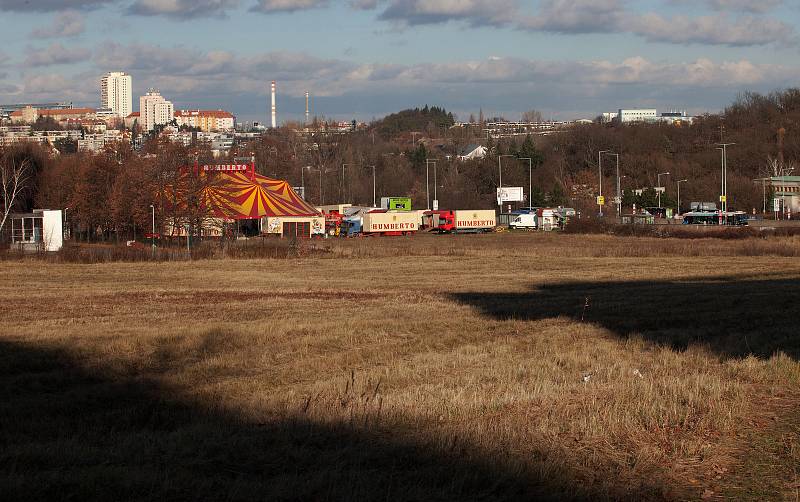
(154, 110)
(115, 93)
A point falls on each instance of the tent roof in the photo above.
(235, 195)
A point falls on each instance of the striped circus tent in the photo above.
(242, 195)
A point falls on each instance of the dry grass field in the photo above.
(498, 367)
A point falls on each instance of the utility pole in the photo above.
(658, 182)
(678, 183)
(153, 234)
(427, 188)
(619, 197)
(500, 189)
(530, 180)
(724, 185)
(600, 177)
(374, 186)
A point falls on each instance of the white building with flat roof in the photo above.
(154, 110)
(637, 115)
(115, 93)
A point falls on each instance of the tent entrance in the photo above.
(301, 229)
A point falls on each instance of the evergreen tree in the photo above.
(557, 195)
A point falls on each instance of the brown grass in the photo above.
(438, 367)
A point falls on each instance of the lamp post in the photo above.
(530, 180)
(153, 231)
(500, 184)
(619, 198)
(342, 191)
(724, 185)
(303, 179)
(786, 173)
(427, 187)
(374, 186)
(678, 183)
(600, 176)
(658, 182)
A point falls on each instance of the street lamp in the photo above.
(786, 173)
(530, 179)
(619, 198)
(724, 197)
(678, 183)
(303, 179)
(427, 187)
(342, 191)
(600, 176)
(153, 232)
(658, 182)
(500, 184)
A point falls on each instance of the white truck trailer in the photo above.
(390, 223)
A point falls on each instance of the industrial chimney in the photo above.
(274, 114)
(306, 107)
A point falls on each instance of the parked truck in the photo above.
(389, 223)
(463, 221)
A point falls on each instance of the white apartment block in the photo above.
(115, 93)
(637, 115)
(154, 110)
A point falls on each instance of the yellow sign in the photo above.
(723, 198)
(601, 200)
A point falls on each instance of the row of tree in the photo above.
(110, 192)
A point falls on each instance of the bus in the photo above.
(731, 218)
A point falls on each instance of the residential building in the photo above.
(29, 115)
(154, 110)
(471, 152)
(132, 118)
(206, 120)
(115, 93)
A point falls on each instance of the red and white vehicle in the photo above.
(461, 221)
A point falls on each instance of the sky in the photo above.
(363, 59)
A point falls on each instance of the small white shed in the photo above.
(41, 230)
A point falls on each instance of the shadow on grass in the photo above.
(70, 433)
(733, 316)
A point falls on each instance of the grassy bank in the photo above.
(443, 367)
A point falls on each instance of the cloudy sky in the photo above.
(365, 58)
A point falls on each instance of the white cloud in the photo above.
(753, 6)
(712, 30)
(612, 16)
(50, 5)
(272, 6)
(182, 9)
(65, 24)
(475, 12)
(56, 54)
(194, 78)
(577, 16)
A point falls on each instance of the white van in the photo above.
(524, 222)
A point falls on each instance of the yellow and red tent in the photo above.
(242, 195)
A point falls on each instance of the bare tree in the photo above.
(13, 177)
(776, 167)
(532, 116)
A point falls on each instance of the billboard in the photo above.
(396, 203)
(509, 194)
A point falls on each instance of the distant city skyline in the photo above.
(366, 58)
